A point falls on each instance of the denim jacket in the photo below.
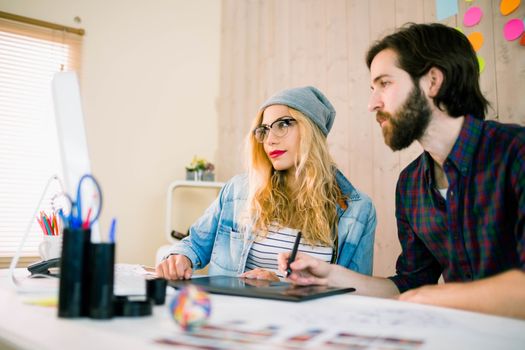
(217, 239)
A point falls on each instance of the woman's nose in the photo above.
(271, 139)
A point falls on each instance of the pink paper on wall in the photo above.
(513, 29)
(472, 16)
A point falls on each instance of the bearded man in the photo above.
(460, 206)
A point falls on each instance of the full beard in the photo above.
(410, 121)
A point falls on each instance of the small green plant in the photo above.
(200, 164)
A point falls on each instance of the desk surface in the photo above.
(349, 319)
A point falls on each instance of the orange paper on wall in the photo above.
(476, 40)
(507, 6)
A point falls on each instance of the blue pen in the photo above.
(66, 221)
(112, 230)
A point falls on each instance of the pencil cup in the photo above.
(156, 290)
(72, 292)
(100, 280)
(50, 247)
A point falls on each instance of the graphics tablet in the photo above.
(229, 285)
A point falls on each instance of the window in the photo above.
(29, 155)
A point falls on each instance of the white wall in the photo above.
(149, 82)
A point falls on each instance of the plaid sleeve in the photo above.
(416, 266)
(518, 184)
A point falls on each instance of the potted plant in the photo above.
(200, 170)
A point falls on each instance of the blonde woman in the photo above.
(292, 186)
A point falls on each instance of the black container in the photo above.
(156, 290)
(100, 271)
(73, 277)
(126, 306)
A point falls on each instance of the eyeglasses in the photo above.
(279, 128)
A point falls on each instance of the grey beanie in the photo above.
(309, 101)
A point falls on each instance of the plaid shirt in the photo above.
(479, 230)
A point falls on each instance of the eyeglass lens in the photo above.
(279, 128)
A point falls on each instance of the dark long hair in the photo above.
(422, 46)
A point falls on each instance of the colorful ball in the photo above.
(191, 307)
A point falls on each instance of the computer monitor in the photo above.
(72, 135)
(74, 160)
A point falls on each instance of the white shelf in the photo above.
(181, 184)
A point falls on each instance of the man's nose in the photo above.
(374, 102)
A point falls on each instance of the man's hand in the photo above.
(430, 294)
(306, 270)
(261, 274)
(502, 294)
(175, 267)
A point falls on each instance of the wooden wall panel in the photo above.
(282, 43)
(486, 52)
(270, 45)
(250, 83)
(510, 69)
(361, 124)
(386, 163)
(336, 74)
(266, 53)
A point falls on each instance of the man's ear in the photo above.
(435, 79)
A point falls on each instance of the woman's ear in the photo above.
(435, 77)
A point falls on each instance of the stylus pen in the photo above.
(294, 253)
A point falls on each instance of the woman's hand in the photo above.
(175, 267)
(261, 274)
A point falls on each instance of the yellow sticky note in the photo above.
(481, 62)
(47, 302)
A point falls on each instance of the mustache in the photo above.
(382, 116)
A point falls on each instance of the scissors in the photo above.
(87, 187)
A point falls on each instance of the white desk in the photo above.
(36, 327)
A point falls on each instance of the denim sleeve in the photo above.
(363, 259)
(356, 237)
(198, 245)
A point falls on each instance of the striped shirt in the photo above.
(263, 253)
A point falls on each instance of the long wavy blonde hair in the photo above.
(310, 206)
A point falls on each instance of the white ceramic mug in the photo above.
(50, 247)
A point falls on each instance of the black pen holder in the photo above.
(73, 277)
(156, 290)
(100, 271)
(126, 306)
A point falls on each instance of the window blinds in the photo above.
(29, 153)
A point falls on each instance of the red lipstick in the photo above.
(276, 153)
